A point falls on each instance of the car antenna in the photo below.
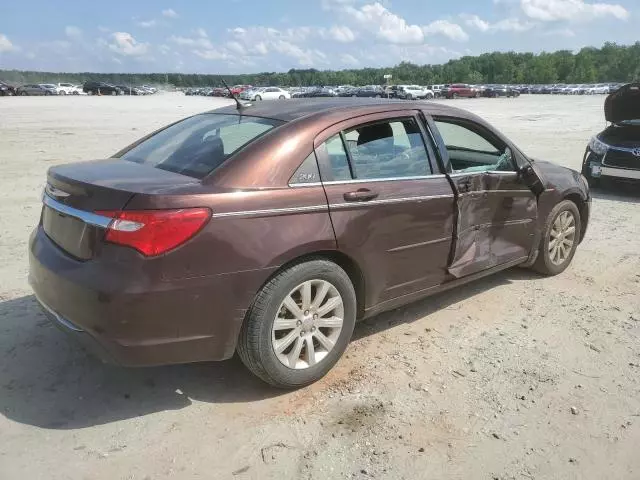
(239, 104)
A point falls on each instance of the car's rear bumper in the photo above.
(125, 319)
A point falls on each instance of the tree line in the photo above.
(611, 63)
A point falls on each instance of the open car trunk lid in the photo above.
(75, 192)
(623, 104)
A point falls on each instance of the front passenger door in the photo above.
(496, 211)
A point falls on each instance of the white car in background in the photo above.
(414, 91)
(65, 88)
(267, 93)
(602, 89)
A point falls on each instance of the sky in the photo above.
(244, 36)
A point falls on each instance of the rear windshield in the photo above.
(198, 145)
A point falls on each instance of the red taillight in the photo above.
(154, 232)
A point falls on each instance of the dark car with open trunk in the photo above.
(271, 229)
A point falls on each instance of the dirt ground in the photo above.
(512, 377)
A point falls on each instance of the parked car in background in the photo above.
(458, 90)
(7, 90)
(411, 92)
(34, 89)
(314, 92)
(131, 90)
(438, 90)
(370, 91)
(276, 252)
(268, 93)
(238, 89)
(50, 87)
(615, 152)
(100, 88)
(494, 91)
(64, 88)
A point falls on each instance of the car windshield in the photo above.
(198, 145)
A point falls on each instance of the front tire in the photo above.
(281, 97)
(559, 240)
(299, 324)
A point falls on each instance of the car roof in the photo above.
(317, 107)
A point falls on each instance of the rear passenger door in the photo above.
(389, 210)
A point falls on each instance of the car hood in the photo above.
(623, 104)
(621, 135)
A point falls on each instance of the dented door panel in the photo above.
(496, 221)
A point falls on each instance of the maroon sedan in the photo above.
(271, 230)
(458, 90)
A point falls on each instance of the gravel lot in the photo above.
(515, 376)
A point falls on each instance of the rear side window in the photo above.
(388, 150)
(338, 160)
(198, 145)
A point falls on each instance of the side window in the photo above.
(307, 172)
(472, 151)
(338, 160)
(388, 150)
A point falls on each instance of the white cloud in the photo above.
(341, 34)
(504, 25)
(511, 25)
(235, 47)
(200, 42)
(446, 28)
(561, 32)
(387, 26)
(572, 10)
(349, 59)
(201, 32)
(169, 13)
(5, 44)
(124, 44)
(211, 54)
(147, 23)
(475, 21)
(104, 29)
(73, 32)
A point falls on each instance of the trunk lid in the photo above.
(623, 104)
(74, 192)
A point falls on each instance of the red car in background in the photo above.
(461, 90)
(238, 89)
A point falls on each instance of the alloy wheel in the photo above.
(562, 237)
(308, 324)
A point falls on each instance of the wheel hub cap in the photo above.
(562, 237)
(308, 324)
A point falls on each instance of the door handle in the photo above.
(360, 195)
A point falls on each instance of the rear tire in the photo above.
(281, 97)
(258, 98)
(256, 344)
(562, 225)
(23, 94)
(455, 96)
(429, 96)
